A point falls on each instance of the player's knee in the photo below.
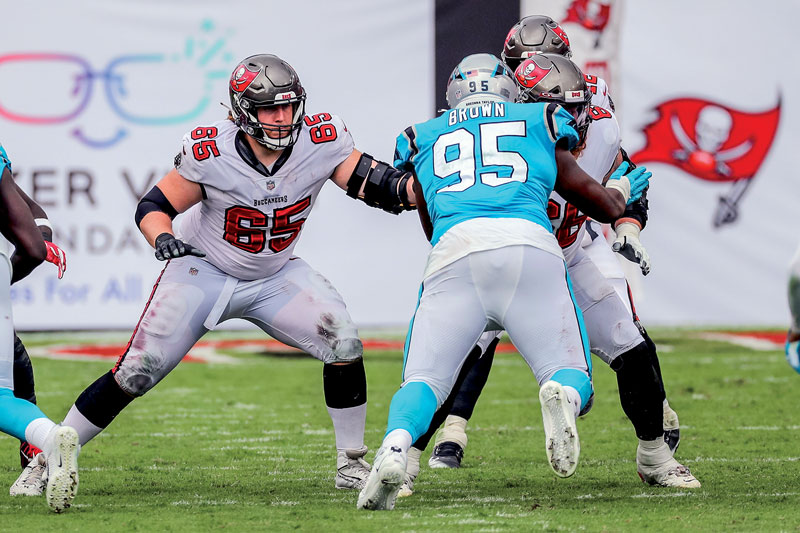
(346, 350)
(137, 373)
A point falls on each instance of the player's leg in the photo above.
(545, 325)
(617, 341)
(24, 388)
(793, 336)
(25, 421)
(451, 441)
(447, 323)
(172, 321)
(301, 308)
(607, 263)
(442, 413)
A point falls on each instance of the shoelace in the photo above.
(34, 473)
(679, 471)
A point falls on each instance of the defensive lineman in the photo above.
(484, 171)
(248, 184)
(19, 417)
(596, 275)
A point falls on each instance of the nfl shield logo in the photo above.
(270, 185)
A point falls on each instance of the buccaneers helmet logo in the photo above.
(241, 78)
(529, 73)
(711, 142)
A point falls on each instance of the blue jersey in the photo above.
(4, 161)
(492, 160)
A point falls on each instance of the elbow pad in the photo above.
(384, 186)
(154, 200)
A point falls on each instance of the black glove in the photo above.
(168, 247)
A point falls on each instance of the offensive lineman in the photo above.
(18, 417)
(793, 336)
(248, 184)
(483, 173)
(597, 271)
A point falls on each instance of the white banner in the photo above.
(94, 102)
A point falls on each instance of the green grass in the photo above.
(250, 447)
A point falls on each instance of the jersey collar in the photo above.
(246, 153)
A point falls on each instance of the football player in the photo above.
(247, 184)
(793, 337)
(18, 417)
(24, 386)
(528, 38)
(483, 173)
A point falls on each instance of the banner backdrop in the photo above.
(95, 96)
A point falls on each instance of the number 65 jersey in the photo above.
(250, 216)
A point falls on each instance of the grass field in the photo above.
(249, 447)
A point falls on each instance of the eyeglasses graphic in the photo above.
(145, 89)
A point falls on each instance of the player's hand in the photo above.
(168, 247)
(56, 256)
(630, 247)
(632, 183)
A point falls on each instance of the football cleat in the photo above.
(672, 429)
(561, 434)
(27, 452)
(32, 480)
(669, 474)
(412, 471)
(62, 468)
(351, 469)
(383, 483)
(446, 455)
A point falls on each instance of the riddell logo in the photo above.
(711, 142)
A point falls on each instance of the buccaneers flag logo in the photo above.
(241, 78)
(590, 14)
(711, 142)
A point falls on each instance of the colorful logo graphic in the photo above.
(529, 73)
(145, 89)
(242, 78)
(711, 142)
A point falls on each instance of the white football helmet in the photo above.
(481, 78)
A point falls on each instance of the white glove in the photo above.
(628, 245)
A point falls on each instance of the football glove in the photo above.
(56, 256)
(628, 245)
(168, 247)
(629, 185)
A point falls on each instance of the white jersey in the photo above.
(250, 216)
(599, 89)
(602, 145)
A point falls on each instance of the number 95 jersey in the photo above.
(250, 216)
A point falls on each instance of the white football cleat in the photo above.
(62, 468)
(412, 471)
(32, 480)
(656, 466)
(351, 469)
(383, 483)
(561, 434)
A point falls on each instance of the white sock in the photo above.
(348, 425)
(37, 431)
(399, 438)
(86, 430)
(454, 430)
(653, 452)
(574, 398)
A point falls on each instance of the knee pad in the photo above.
(346, 351)
(139, 372)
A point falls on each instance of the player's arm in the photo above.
(602, 203)
(17, 225)
(55, 254)
(376, 183)
(171, 196)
